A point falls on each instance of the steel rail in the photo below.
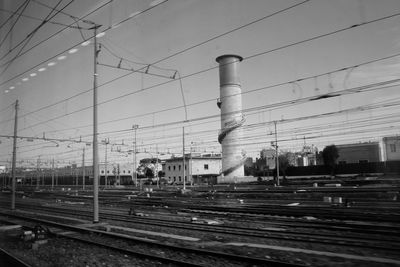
(220, 255)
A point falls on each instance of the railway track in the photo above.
(8, 259)
(370, 239)
(176, 255)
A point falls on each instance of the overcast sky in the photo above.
(309, 49)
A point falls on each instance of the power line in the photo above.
(172, 55)
(51, 36)
(30, 35)
(280, 104)
(23, 6)
(38, 19)
(81, 19)
(245, 58)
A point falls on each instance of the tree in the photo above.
(330, 154)
(149, 173)
(284, 162)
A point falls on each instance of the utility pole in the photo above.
(134, 173)
(118, 182)
(277, 156)
(52, 174)
(83, 169)
(76, 176)
(183, 158)
(14, 159)
(38, 173)
(106, 142)
(191, 165)
(156, 168)
(56, 176)
(95, 144)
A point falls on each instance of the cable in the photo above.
(4, 109)
(51, 36)
(245, 58)
(175, 54)
(23, 6)
(38, 19)
(30, 36)
(280, 104)
(86, 21)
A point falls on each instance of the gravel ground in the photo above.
(66, 253)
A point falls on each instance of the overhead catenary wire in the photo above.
(23, 6)
(80, 19)
(177, 53)
(279, 104)
(39, 19)
(245, 58)
(30, 35)
(48, 38)
(354, 109)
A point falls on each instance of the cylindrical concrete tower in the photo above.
(232, 118)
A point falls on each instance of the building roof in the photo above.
(358, 144)
(193, 158)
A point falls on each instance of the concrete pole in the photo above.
(156, 168)
(191, 165)
(135, 127)
(52, 174)
(105, 164)
(95, 144)
(183, 158)
(56, 175)
(83, 169)
(277, 155)
(14, 158)
(38, 173)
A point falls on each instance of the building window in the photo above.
(108, 171)
(393, 148)
(180, 179)
(185, 167)
(129, 171)
(123, 171)
(206, 166)
(174, 168)
(102, 171)
(169, 168)
(174, 179)
(179, 167)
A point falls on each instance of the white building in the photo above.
(391, 148)
(198, 169)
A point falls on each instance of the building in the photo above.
(359, 153)
(307, 157)
(198, 169)
(391, 148)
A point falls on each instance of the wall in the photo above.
(354, 153)
(194, 167)
(391, 148)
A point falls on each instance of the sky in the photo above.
(155, 57)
